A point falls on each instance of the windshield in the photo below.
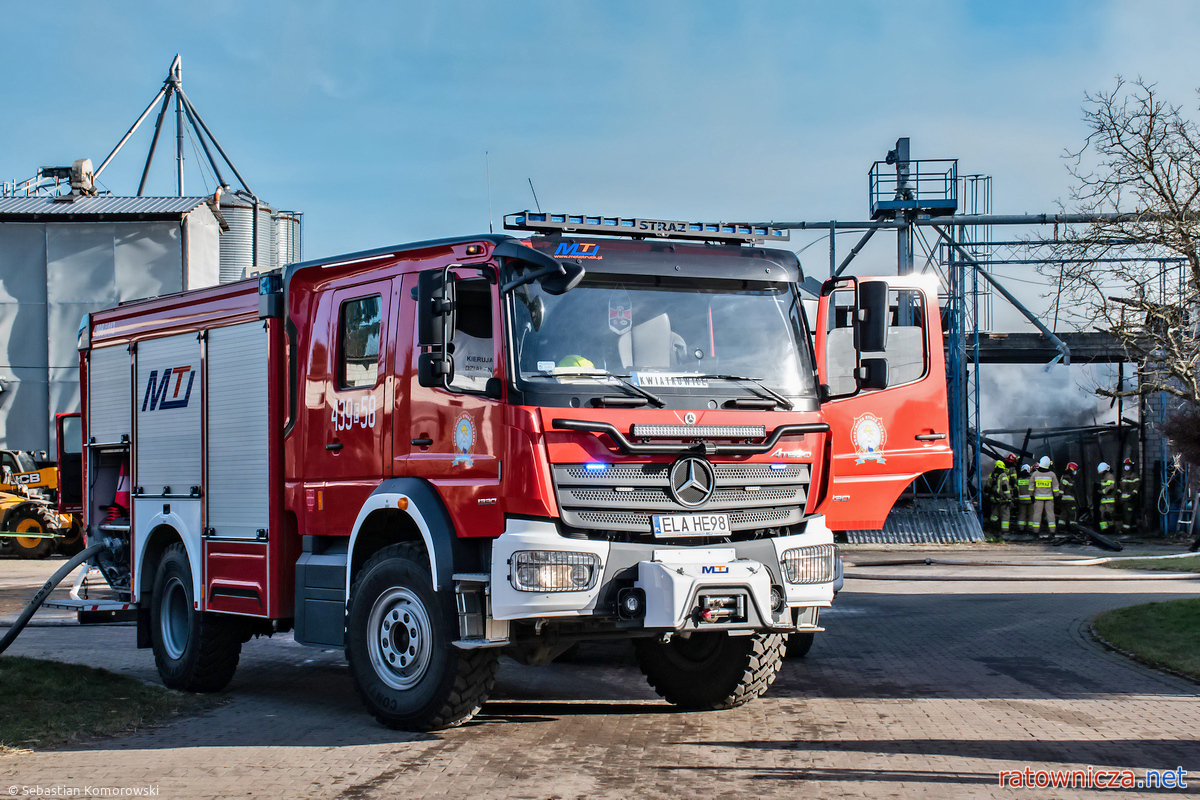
(663, 333)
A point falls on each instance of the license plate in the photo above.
(669, 526)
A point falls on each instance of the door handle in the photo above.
(334, 446)
(422, 442)
(930, 437)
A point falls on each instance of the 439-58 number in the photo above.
(351, 413)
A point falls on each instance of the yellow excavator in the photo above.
(30, 525)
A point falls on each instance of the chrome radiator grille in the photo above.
(622, 497)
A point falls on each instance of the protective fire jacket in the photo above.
(1045, 485)
(1108, 488)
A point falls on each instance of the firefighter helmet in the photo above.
(1045, 462)
(1012, 458)
(1128, 463)
(1072, 466)
(1025, 469)
(999, 464)
(1102, 466)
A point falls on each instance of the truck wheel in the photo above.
(399, 634)
(31, 519)
(798, 644)
(711, 670)
(194, 651)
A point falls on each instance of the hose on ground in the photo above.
(39, 598)
(959, 562)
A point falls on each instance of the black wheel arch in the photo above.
(387, 526)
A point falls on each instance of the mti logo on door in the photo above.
(157, 391)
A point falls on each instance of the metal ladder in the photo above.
(1187, 516)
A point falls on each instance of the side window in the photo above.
(471, 344)
(839, 344)
(906, 351)
(358, 342)
(906, 354)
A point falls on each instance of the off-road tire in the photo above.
(72, 542)
(31, 519)
(798, 644)
(711, 670)
(441, 686)
(194, 650)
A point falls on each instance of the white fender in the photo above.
(390, 500)
(185, 519)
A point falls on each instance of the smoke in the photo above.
(1028, 396)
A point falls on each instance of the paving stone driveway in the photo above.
(923, 688)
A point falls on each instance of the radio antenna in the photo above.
(487, 159)
(535, 200)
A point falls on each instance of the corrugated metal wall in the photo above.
(929, 521)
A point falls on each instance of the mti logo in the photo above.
(720, 569)
(578, 249)
(156, 390)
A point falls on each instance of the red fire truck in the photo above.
(440, 452)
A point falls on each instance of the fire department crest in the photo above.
(464, 440)
(869, 436)
(620, 311)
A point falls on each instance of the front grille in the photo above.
(622, 497)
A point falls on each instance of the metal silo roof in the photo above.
(36, 207)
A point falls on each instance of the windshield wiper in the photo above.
(774, 395)
(603, 373)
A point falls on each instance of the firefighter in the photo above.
(1045, 490)
(1001, 498)
(1024, 495)
(1068, 502)
(1130, 484)
(1107, 486)
(988, 494)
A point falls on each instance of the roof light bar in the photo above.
(644, 228)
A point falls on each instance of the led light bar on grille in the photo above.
(817, 564)
(634, 226)
(554, 571)
(699, 431)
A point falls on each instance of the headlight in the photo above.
(554, 571)
(817, 564)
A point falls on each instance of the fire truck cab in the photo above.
(435, 453)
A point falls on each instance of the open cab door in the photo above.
(881, 367)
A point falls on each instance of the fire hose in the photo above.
(956, 562)
(48, 587)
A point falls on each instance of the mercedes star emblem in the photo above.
(692, 481)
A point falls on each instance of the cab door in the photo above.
(881, 365)
(348, 424)
(456, 429)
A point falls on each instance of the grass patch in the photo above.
(48, 703)
(1161, 634)
(1185, 564)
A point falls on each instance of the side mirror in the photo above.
(555, 277)
(872, 316)
(435, 323)
(566, 280)
(873, 373)
(435, 369)
(435, 307)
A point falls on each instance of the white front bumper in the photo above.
(672, 578)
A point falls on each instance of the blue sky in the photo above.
(374, 118)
